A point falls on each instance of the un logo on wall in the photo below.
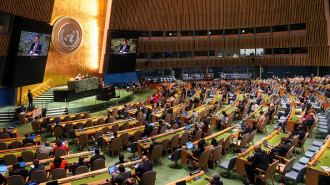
(67, 35)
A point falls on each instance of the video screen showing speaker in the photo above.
(33, 44)
(123, 49)
(28, 52)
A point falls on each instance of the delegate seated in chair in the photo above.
(80, 163)
(121, 175)
(299, 131)
(144, 167)
(59, 145)
(17, 170)
(58, 163)
(246, 129)
(258, 160)
(96, 156)
(280, 150)
(261, 121)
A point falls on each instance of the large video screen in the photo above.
(122, 55)
(33, 44)
(27, 56)
(123, 45)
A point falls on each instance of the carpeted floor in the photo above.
(165, 172)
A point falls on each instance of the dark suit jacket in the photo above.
(286, 112)
(28, 140)
(153, 145)
(127, 49)
(38, 50)
(96, 157)
(260, 160)
(282, 150)
(40, 167)
(77, 165)
(145, 167)
(121, 177)
(246, 130)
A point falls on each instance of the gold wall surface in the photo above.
(91, 14)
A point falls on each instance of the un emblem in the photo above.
(67, 35)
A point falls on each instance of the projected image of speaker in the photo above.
(122, 52)
(28, 52)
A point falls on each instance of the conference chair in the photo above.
(268, 174)
(294, 143)
(16, 144)
(58, 173)
(165, 143)
(133, 148)
(79, 125)
(203, 160)
(36, 126)
(39, 176)
(82, 140)
(115, 146)
(175, 157)
(89, 123)
(148, 178)
(174, 142)
(27, 156)
(22, 119)
(98, 164)
(282, 169)
(137, 135)
(175, 126)
(87, 115)
(105, 129)
(302, 143)
(15, 180)
(101, 121)
(80, 170)
(3, 146)
(4, 136)
(242, 143)
(229, 165)
(251, 138)
(198, 135)
(296, 175)
(124, 139)
(10, 159)
(220, 142)
(57, 120)
(168, 118)
(156, 154)
(216, 155)
(115, 128)
(58, 132)
(163, 129)
(60, 152)
(29, 144)
(98, 134)
(125, 126)
(77, 117)
(67, 128)
(226, 144)
(67, 118)
(42, 156)
(184, 138)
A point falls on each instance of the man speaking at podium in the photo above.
(125, 48)
(36, 47)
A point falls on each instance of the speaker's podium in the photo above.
(78, 89)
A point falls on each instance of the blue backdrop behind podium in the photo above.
(110, 79)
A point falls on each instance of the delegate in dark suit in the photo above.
(144, 167)
(258, 160)
(122, 176)
(35, 50)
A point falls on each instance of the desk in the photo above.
(51, 119)
(83, 85)
(253, 118)
(190, 179)
(14, 131)
(222, 134)
(94, 129)
(321, 159)
(200, 110)
(17, 151)
(229, 110)
(273, 139)
(83, 121)
(217, 98)
(9, 141)
(159, 138)
(294, 118)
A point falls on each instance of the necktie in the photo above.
(35, 47)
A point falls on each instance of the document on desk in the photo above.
(325, 168)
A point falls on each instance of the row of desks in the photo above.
(273, 139)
